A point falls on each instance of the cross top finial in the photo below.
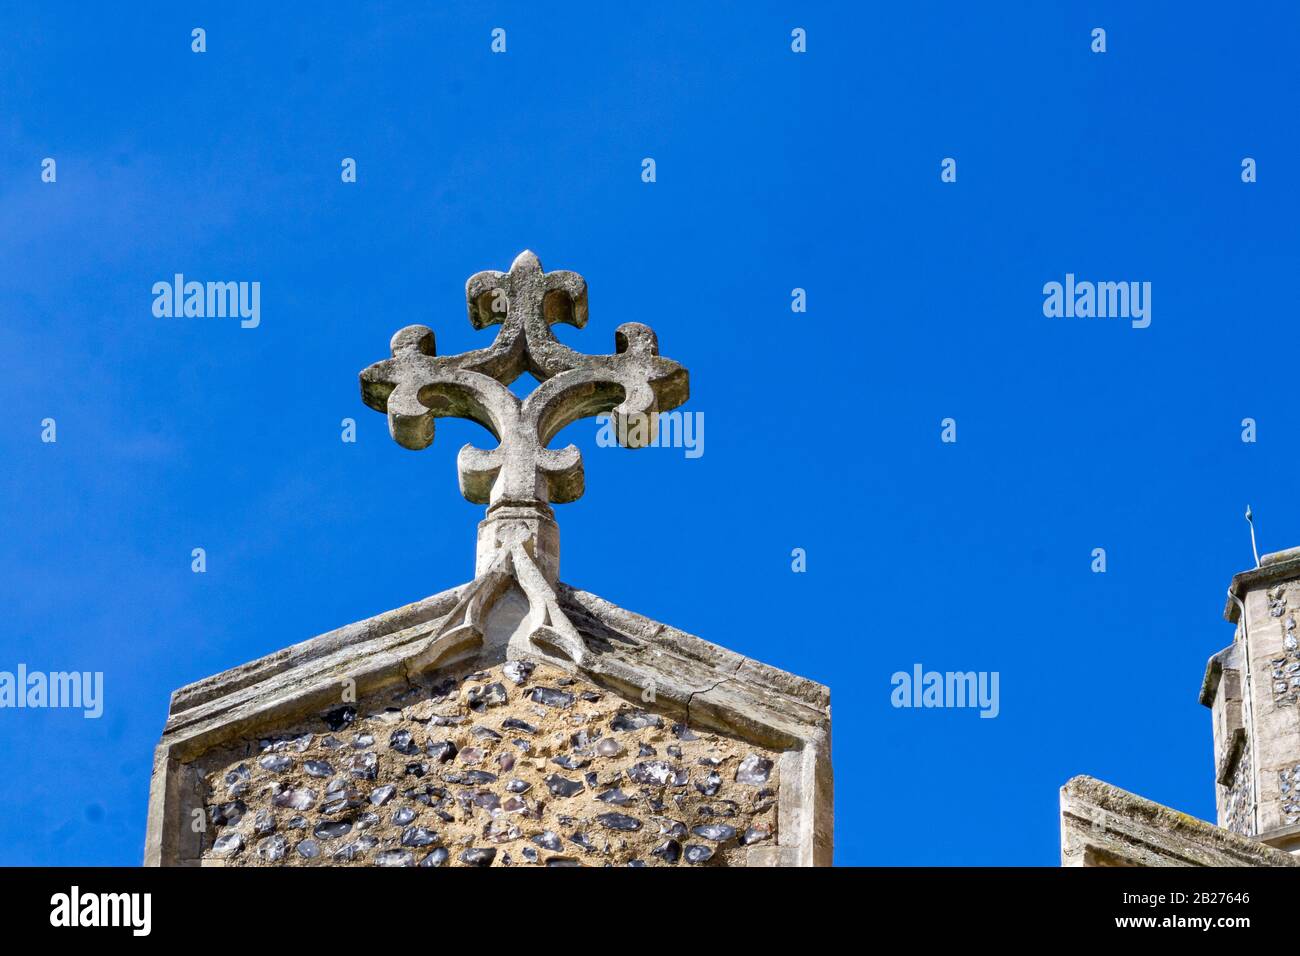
(521, 477)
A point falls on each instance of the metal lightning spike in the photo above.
(1250, 520)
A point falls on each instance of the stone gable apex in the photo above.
(701, 684)
(514, 610)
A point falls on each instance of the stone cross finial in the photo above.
(521, 477)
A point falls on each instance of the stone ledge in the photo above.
(1273, 568)
(1102, 825)
(809, 692)
(1214, 668)
(312, 650)
(700, 666)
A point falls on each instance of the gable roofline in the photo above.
(689, 679)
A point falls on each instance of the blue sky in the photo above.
(774, 171)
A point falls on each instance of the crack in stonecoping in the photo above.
(715, 686)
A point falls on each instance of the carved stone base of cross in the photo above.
(522, 476)
(538, 532)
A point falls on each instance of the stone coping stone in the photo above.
(1102, 825)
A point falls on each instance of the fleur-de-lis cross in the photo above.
(521, 477)
(417, 386)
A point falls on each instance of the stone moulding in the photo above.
(489, 620)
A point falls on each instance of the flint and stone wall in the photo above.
(1261, 796)
(520, 764)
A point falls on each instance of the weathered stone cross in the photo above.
(521, 477)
